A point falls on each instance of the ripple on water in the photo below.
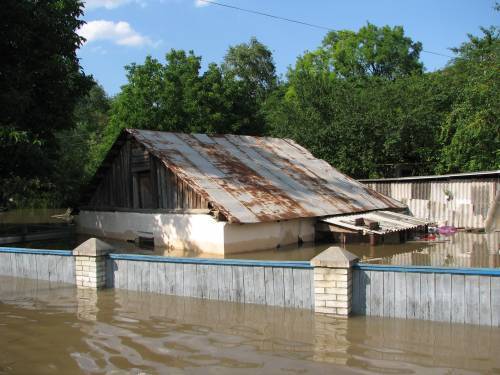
(48, 329)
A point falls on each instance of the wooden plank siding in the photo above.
(173, 192)
(274, 286)
(129, 171)
(53, 268)
(454, 298)
(115, 187)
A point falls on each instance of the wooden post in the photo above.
(402, 236)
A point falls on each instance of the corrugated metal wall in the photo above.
(463, 203)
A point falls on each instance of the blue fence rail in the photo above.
(19, 250)
(211, 261)
(428, 269)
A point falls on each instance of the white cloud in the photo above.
(200, 3)
(108, 4)
(120, 33)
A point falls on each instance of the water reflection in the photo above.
(50, 328)
(31, 216)
(459, 250)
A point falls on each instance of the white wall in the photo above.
(174, 231)
(240, 238)
(197, 233)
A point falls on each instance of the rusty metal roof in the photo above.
(259, 179)
(388, 222)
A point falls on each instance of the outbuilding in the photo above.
(218, 194)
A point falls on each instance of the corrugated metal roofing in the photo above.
(258, 179)
(481, 174)
(388, 222)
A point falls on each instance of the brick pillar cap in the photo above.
(93, 247)
(334, 257)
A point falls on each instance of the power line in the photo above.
(438, 54)
(267, 15)
(259, 13)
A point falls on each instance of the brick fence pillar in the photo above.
(90, 263)
(333, 281)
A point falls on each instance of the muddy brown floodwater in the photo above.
(55, 329)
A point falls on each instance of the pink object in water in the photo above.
(447, 230)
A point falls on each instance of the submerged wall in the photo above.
(331, 283)
(451, 295)
(50, 265)
(175, 231)
(288, 284)
(195, 232)
(264, 236)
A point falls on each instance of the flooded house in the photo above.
(228, 193)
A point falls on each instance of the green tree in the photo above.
(361, 102)
(365, 128)
(252, 64)
(41, 82)
(79, 154)
(175, 96)
(470, 134)
(371, 52)
(159, 97)
(250, 77)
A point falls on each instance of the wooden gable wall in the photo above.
(135, 179)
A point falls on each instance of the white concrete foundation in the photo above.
(195, 232)
(261, 236)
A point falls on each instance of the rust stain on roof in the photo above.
(259, 179)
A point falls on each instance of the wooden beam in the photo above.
(193, 211)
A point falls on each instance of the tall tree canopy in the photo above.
(361, 100)
(470, 135)
(171, 97)
(79, 146)
(41, 81)
(365, 128)
(370, 52)
(176, 96)
(251, 63)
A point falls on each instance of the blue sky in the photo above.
(120, 32)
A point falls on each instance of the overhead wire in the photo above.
(303, 23)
